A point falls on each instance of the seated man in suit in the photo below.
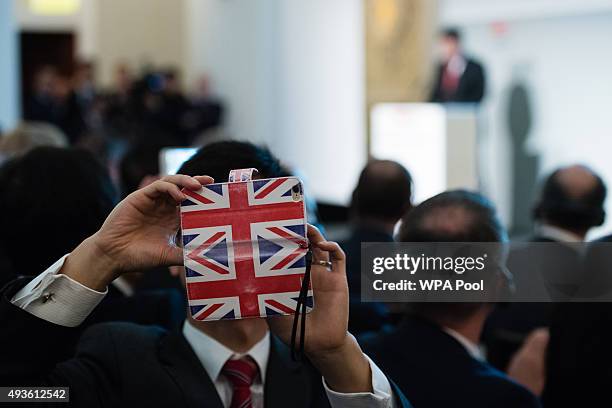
(241, 363)
(433, 355)
(382, 195)
(570, 204)
(459, 78)
(67, 194)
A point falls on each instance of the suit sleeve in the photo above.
(477, 87)
(37, 352)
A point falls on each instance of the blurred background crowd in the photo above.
(89, 115)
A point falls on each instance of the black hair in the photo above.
(217, 159)
(138, 162)
(452, 32)
(558, 207)
(384, 191)
(51, 199)
(478, 223)
(452, 216)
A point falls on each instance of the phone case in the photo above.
(244, 247)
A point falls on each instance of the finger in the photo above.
(204, 180)
(314, 235)
(162, 188)
(175, 257)
(336, 253)
(184, 181)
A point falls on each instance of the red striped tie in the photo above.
(241, 373)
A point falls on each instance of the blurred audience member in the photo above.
(382, 196)
(62, 194)
(139, 167)
(579, 356)
(459, 78)
(434, 355)
(54, 101)
(29, 135)
(570, 204)
(206, 112)
(51, 199)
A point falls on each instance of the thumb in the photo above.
(174, 256)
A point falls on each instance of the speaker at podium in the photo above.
(436, 143)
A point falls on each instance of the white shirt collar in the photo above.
(213, 355)
(556, 233)
(469, 346)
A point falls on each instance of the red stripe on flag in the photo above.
(289, 258)
(209, 311)
(197, 197)
(270, 188)
(280, 306)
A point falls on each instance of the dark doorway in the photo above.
(44, 49)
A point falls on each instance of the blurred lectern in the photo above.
(436, 143)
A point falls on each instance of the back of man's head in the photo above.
(572, 198)
(51, 199)
(383, 192)
(217, 159)
(452, 216)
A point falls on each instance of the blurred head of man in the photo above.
(454, 216)
(216, 160)
(450, 44)
(383, 194)
(572, 199)
(51, 199)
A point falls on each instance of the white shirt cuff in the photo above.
(381, 397)
(58, 298)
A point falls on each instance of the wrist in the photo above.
(90, 265)
(344, 368)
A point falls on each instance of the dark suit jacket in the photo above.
(128, 365)
(363, 316)
(579, 356)
(471, 85)
(436, 370)
(510, 323)
(161, 307)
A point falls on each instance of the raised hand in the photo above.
(138, 234)
(328, 343)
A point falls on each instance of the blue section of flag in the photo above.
(230, 315)
(267, 249)
(188, 238)
(187, 202)
(217, 188)
(297, 229)
(196, 309)
(191, 273)
(218, 252)
(257, 184)
(270, 312)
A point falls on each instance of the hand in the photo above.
(528, 365)
(328, 344)
(138, 234)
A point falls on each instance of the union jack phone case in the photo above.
(244, 248)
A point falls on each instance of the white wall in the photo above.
(9, 80)
(291, 73)
(567, 64)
